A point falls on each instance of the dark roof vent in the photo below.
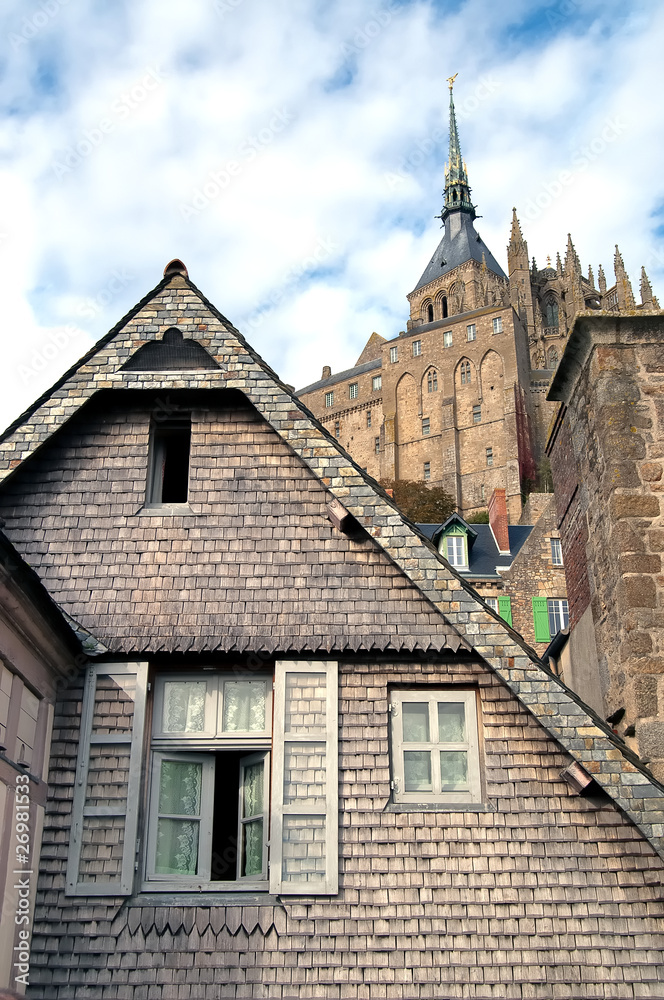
(172, 353)
(175, 266)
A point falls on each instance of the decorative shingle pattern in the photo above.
(545, 894)
(178, 302)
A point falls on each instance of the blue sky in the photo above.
(292, 155)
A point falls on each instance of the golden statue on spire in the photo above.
(451, 80)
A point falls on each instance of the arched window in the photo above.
(429, 313)
(432, 380)
(550, 312)
(552, 360)
(465, 373)
(444, 300)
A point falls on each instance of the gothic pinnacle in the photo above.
(601, 279)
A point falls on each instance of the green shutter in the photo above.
(505, 609)
(541, 619)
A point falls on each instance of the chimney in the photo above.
(498, 520)
(327, 372)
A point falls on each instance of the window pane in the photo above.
(184, 707)
(252, 848)
(415, 722)
(451, 722)
(417, 770)
(180, 788)
(244, 707)
(453, 770)
(253, 790)
(177, 847)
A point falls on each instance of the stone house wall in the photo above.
(611, 379)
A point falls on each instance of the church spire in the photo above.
(457, 189)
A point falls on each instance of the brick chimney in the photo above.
(498, 520)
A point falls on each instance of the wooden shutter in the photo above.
(102, 847)
(505, 608)
(541, 619)
(304, 834)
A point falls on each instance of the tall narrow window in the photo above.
(498, 324)
(471, 331)
(352, 390)
(465, 373)
(329, 399)
(169, 465)
(426, 425)
(429, 313)
(489, 456)
(556, 552)
(394, 354)
(377, 445)
(447, 338)
(368, 418)
(432, 381)
(376, 382)
(337, 428)
(417, 348)
(427, 470)
(477, 414)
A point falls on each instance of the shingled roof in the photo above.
(464, 618)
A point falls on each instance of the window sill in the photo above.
(456, 807)
(191, 897)
(164, 509)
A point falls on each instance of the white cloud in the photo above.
(318, 120)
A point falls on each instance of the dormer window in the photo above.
(456, 550)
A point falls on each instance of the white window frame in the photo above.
(417, 348)
(477, 413)
(376, 382)
(556, 552)
(353, 390)
(471, 332)
(437, 796)
(456, 553)
(329, 398)
(447, 338)
(498, 324)
(202, 746)
(394, 355)
(558, 611)
(426, 426)
(492, 602)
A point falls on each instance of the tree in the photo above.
(419, 502)
(479, 517)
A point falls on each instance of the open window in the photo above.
(168, 477)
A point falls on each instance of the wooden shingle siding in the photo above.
(257, 565)
(545, 895)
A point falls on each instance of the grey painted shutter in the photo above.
(304, 848)
(102, 847)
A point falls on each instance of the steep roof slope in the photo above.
(453, 250)
(570, 722)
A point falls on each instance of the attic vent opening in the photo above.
(169, 465)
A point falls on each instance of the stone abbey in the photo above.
(459, 398)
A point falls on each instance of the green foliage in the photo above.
(543, 481)
(419, 502)
(479, 517)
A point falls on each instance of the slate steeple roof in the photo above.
(464, 622)
(461, 241)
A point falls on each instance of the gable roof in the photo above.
(562, 714)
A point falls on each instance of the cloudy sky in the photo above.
(292, 155)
